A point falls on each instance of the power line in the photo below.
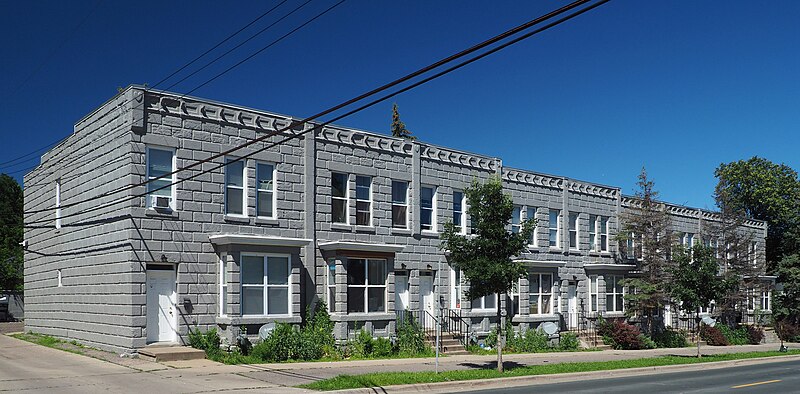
(359, 98)
(50, 145)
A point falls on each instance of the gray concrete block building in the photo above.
(339, 215)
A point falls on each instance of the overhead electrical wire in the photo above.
(297, 123)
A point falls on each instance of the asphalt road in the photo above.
(778, 377)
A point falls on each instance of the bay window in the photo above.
(366, 285)
(265, 284)
(614, 293)
(540, 290)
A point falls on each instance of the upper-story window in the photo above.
(458, 212)
(235, 190)
(366, 285)
(573, 231)
(265, 190)
(516, 219)
(265, 284)
(58, 203)
(530, 215)
(604, 233)
(363, 200)
(555, 228)
(400, 204)
(427, 211)
(687, 240)
(160, 162)
(339, 198)
(593, 233)
(753, 254)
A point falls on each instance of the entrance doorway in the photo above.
(161, 309)
(572, 306)
(427, 301)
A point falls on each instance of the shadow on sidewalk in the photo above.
(507, 365)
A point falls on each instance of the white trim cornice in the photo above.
(541, 263)
(257, 240)
(360, 246)
(610, 267)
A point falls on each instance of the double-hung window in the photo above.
(363, 200)
(160, 162)
(593, 297)
(516, 219)
(339, 198)
(753, 255)
(766, 300)
(331, 285)
(614, 293)
(458, 212)
(265, 190)
(366, 285)
(427, 209)
(485, 302)
(540, 291)
(235, 190)
(223, 286)
(58, 203)
(593, 233)
(400, 204)
(604, 233)
(555, 228)
(573, 231)
(531, 215)
(265, 284)
(456, 289)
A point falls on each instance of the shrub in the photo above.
(282, 344)
(382, 347)
(568, 341)
(754, 334)
(623, 336)
(646, 342)
(736, 336)
(208, 341)
(410, 338)
(713, 336)
(787, 330)
(361, 345)
(670, 339)
(530, 341)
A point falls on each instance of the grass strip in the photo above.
(51, 342)
(381, 379)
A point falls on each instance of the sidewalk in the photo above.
(292, 374)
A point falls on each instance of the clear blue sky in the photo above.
(676, 86)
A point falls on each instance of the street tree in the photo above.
(786, 308)
(695, 281)
(485, 257)
(398, 127)
(648, 223)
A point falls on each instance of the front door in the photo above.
(161, 309)
(426, 301)
(400, 292)
(572, 306)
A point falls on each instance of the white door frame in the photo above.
(161, 310)
(572, 305)
(427, 301)
(401, 292)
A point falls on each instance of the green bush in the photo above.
(568, 341)
(410, 338)
(208, 341)
(361, 345)
(670, 339)
(646, 342)
(382, 347)
(737, 336)
(314, 340)
(532, 341)
(754, 334)
(713, 336)
(282, 344)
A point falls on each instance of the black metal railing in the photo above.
(455, 325)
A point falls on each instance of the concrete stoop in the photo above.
(770, 336)
(448, 345)
(171, 353)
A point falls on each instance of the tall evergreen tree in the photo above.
(11, 234)
(648, 222)
(398, 127)
(485, 259)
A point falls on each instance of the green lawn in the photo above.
(55, 343)
(393, 378)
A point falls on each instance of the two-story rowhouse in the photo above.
(340, 215)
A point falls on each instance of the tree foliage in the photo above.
(11, 234)
(485, 259)
(398, 127)
(648, 222)
(695, 278)
(786, 307)
(763, 190)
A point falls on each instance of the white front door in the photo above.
(572, 306)
(426, 299)
(400, 292)
(161, 309)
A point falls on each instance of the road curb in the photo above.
(516, 381)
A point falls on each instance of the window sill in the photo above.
(365, 229)
(267, 221)
(236, 219)
(341, 227)
(400, 231)
(535, 318)
(239, 320)
(163, 213)
(429, 233)
(362, 317)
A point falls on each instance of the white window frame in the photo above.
(243, 187)
(434, 195)
(456, 288)
(172, 200)
(530, 213)
(223, 285)
(461, 225)
(551, 227)
(615, 279)
(753, 255)
(766, 300)
(574, 235)
(366, 286)
(346, 197)
(594, 294)
(368, 201)
(540, 292)
(514, 293)
(593, 239)
(516, 219)
(482, 303)
(604, 220)
(60, 283)
(330, 285)
(58, 204)
(396, 204)
(265, 286)
(273, 191)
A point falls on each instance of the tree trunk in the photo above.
(499, 345)
(697, 338)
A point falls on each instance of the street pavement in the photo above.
(778, 377)
(35, 368)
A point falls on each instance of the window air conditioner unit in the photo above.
(160, 202)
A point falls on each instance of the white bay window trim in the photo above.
(223, 286)
(267, 283)
(541, 291)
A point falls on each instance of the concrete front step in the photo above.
(171, 353)
(448, 345)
